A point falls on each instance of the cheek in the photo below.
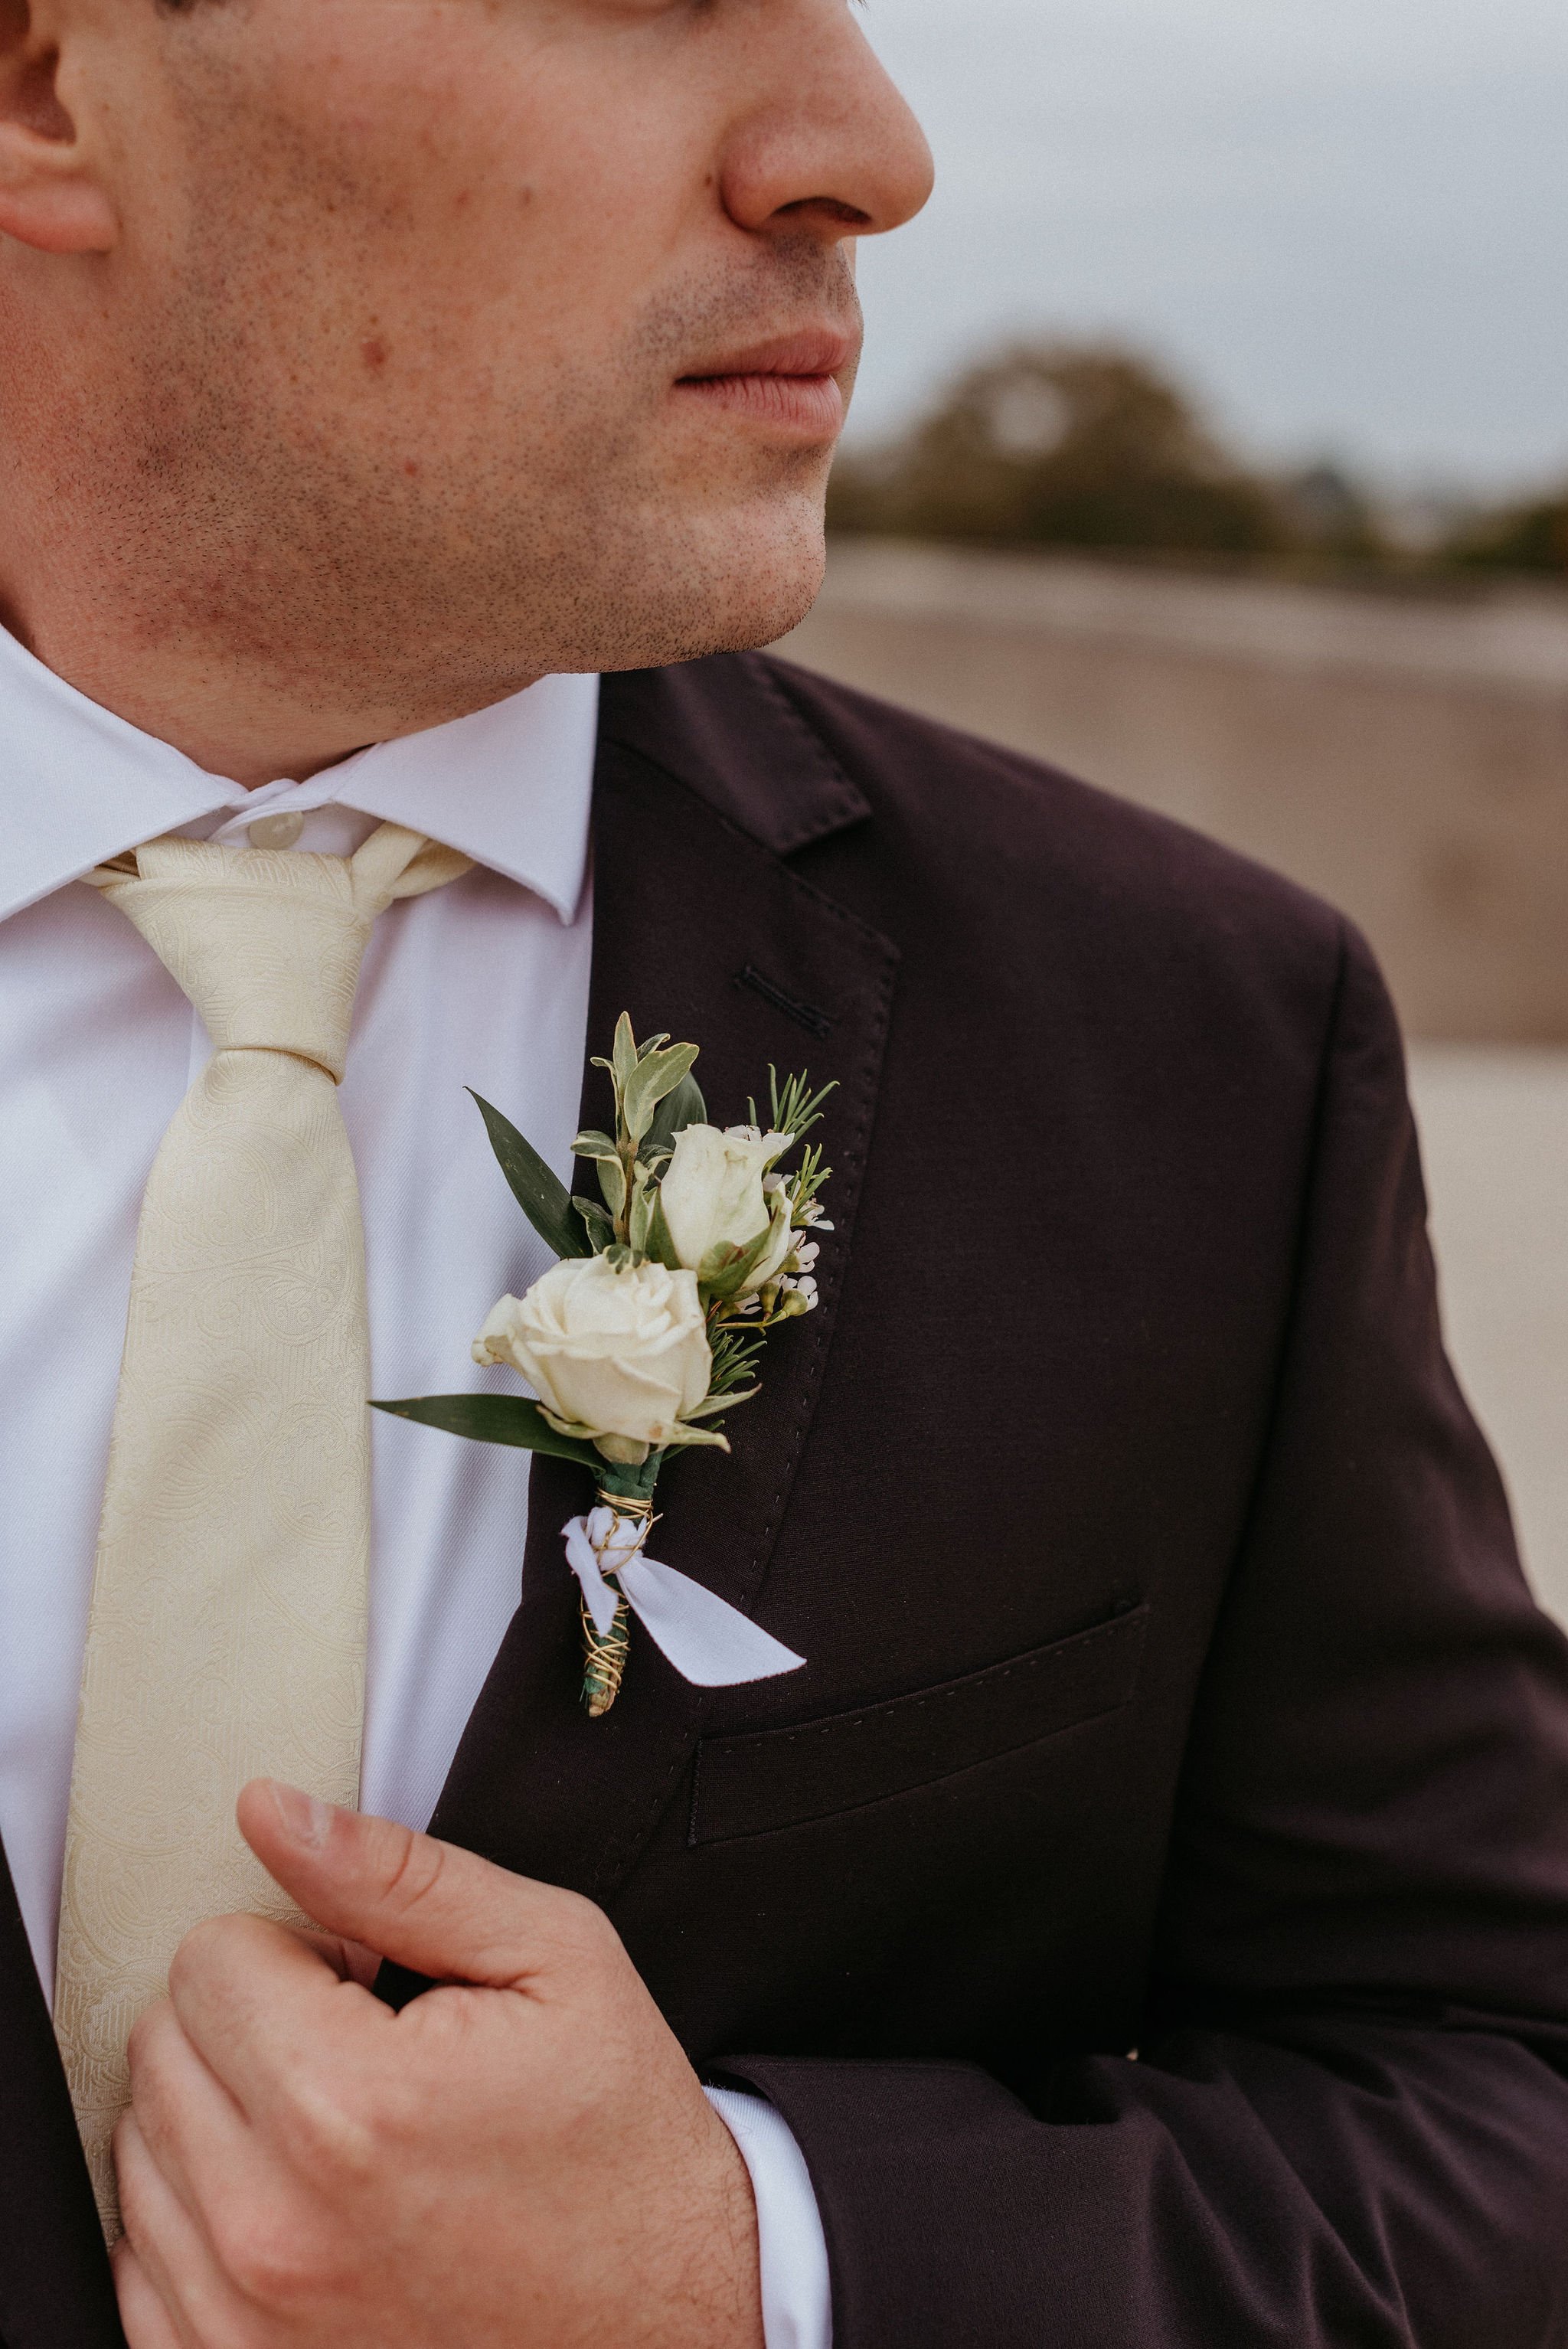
(495, 205)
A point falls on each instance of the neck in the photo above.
(253, 713)
(228, 724)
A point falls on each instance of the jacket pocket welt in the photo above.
(772, 1778)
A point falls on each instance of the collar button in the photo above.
(276, 831)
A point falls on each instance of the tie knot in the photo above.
(267, 942)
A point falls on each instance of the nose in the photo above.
(827, 143)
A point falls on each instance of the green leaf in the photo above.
(795, 1108)
(493, 1419)
(659, 1244)
(737, 1351)
(623, 1057)
(651, 1043)
(722, 1402)
(640, 1216)
(725, 1269)
(684, 1107)
(543, 1197)
(592, 1143)
(601, 1230)
(653, 1079)
(686, 1435)
(613, 1183)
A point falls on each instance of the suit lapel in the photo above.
(55, 2286)
(707, 777)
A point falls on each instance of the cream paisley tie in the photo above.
(227, 1633)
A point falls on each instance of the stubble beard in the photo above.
(531, 531)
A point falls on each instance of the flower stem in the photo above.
(606, 1658)
(630, 1492)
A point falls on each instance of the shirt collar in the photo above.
(510, 786)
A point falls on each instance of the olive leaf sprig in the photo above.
(653, 1321)
(657, 1099)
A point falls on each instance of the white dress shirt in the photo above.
(484, 984)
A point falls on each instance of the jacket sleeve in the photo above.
(1347, 2123)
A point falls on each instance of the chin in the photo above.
(734, 584)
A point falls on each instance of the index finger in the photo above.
(257, 2001)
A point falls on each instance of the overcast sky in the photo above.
(1346, 221)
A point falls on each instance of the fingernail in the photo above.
(306, 1820)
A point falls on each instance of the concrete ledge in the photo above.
(1406, 757)
(1511, 637)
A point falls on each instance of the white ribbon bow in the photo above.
(709, 1642)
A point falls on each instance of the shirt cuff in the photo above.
(797, 2294)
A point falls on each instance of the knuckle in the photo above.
(268, 2256)
(330, 2127)
(415, 1871)
(450, 2023)
(584, 1933)
(146, 2033)
(390, 2116)
(200, 1948)
(133, 2205)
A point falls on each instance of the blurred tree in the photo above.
(1333, 516)
(1532, 537)
(1063, 445)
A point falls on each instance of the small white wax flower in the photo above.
(714, 1193)
(624, 1355)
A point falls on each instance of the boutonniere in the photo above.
(648, 1332)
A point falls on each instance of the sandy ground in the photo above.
(1494, 1134)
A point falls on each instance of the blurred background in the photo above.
(1212, 442)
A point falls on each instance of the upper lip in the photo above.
(811, 351)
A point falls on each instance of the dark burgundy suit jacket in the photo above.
(1150, 1906)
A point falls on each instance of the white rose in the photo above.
(713, 1195)
(622, 1355)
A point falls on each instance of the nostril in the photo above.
(826, 208)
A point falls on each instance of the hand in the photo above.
(522, 2159)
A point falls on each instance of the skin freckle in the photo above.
(373, 351)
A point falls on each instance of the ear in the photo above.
(50, 194)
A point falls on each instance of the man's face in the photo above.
(478, 337)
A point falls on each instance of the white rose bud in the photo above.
(713, 1195)
(624, 1354)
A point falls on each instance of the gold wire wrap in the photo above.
(605, 1659)
(627, 1505)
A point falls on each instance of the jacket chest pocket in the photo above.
(772, 1778)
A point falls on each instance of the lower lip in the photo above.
(804, 407)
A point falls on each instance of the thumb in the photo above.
(428, 1906)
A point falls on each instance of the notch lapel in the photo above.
(706, 779)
